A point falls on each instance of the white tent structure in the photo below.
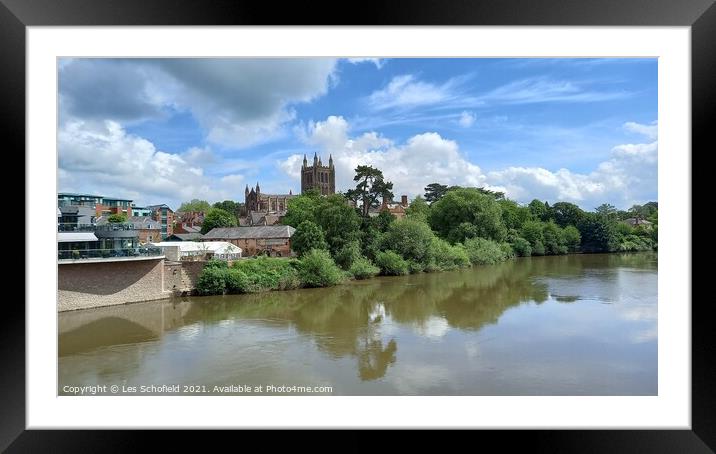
(221, 250)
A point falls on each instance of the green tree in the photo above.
(371, 187)
(467, 205)
(607, 210)
(340, 222)
(411, 239)
(418, 210)
(317, 269)
(565, 214)
(216, 217)
(195, 205)
(435, 192)
(229, 206)
(554, 242)
(514, 215)
(540, 210)
(384, 220)
(572, 238)
(302, 208)
(598, 233)
(308, 236)
(532, 232)
(117, 218)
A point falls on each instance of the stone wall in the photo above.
(93, 284)
(180, 277)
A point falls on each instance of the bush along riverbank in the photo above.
(349, 236)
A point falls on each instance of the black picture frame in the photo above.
(700, 15)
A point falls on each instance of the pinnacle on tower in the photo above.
(319, 162)
(305, 162)
(330, 160)
(315, 158)
(246, 192)
(258, 189)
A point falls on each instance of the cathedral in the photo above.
(318, 176)
(267, 209)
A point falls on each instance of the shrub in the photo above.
(267, 273)
(572, 238)
(445, 256)
(521, 247)
(411, 239)
(507, 250)
(349, 253)
(317, 269)
(308, 235)
(538, 248)
(212, 281)
(362, 268)
(415, 267)
(214, 263)
(391, 263)
(482, 251)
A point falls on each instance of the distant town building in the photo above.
(318, 176)
(263, 209)
(636, 222)
(71, 217)
(165, 216)
(103, 205)
(185, 237)
(141, 211)
(186, 228)
(396, 209)
(148, 230)
(272, 240)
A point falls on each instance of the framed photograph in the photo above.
(267, 222)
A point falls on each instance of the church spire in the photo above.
(305, 162)
(315, 158)
(258, 189)
(246, 192)
(330, 160)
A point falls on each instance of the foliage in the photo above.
(467, 205)
(212, 281)
(117, 218)
(307, 236)
(418, 210)
(521, 246)
(572, 238)
(214, 263)
(340, 222)
(482, 251)
(554, 243)
(195, 205)
(540, 211)
(411, 239)
(302, 208)
(514, 215)
(532, 232)
(598, 233)
(391, 263)
(349, 253)
(415, 267)
(607, 210)
(384, 220)
(362, 268)
(371, 187)
(266, 273)
(216, 217)
(538, 248)
(565, 214)
(435, 192)
(371, 240)
(444, 256)
(317, 269)
(229, 206)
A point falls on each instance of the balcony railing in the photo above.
(109, 253)
(109, 227)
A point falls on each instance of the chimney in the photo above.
(404, 200)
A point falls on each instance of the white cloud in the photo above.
(467, 119)
(407, 91)
(540, 89)
(629, 176)
(378, 62)
(650, 130)
(98, 155)
(423, 159)
(238, 102)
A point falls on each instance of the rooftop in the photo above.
(268, 231)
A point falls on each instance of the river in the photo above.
(566, 325)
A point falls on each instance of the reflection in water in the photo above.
(349, 336)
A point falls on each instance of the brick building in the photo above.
(274, 240)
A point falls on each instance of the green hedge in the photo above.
(391, 263)
(317, 269)
(362, 268)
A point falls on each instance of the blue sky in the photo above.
(169, 130)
